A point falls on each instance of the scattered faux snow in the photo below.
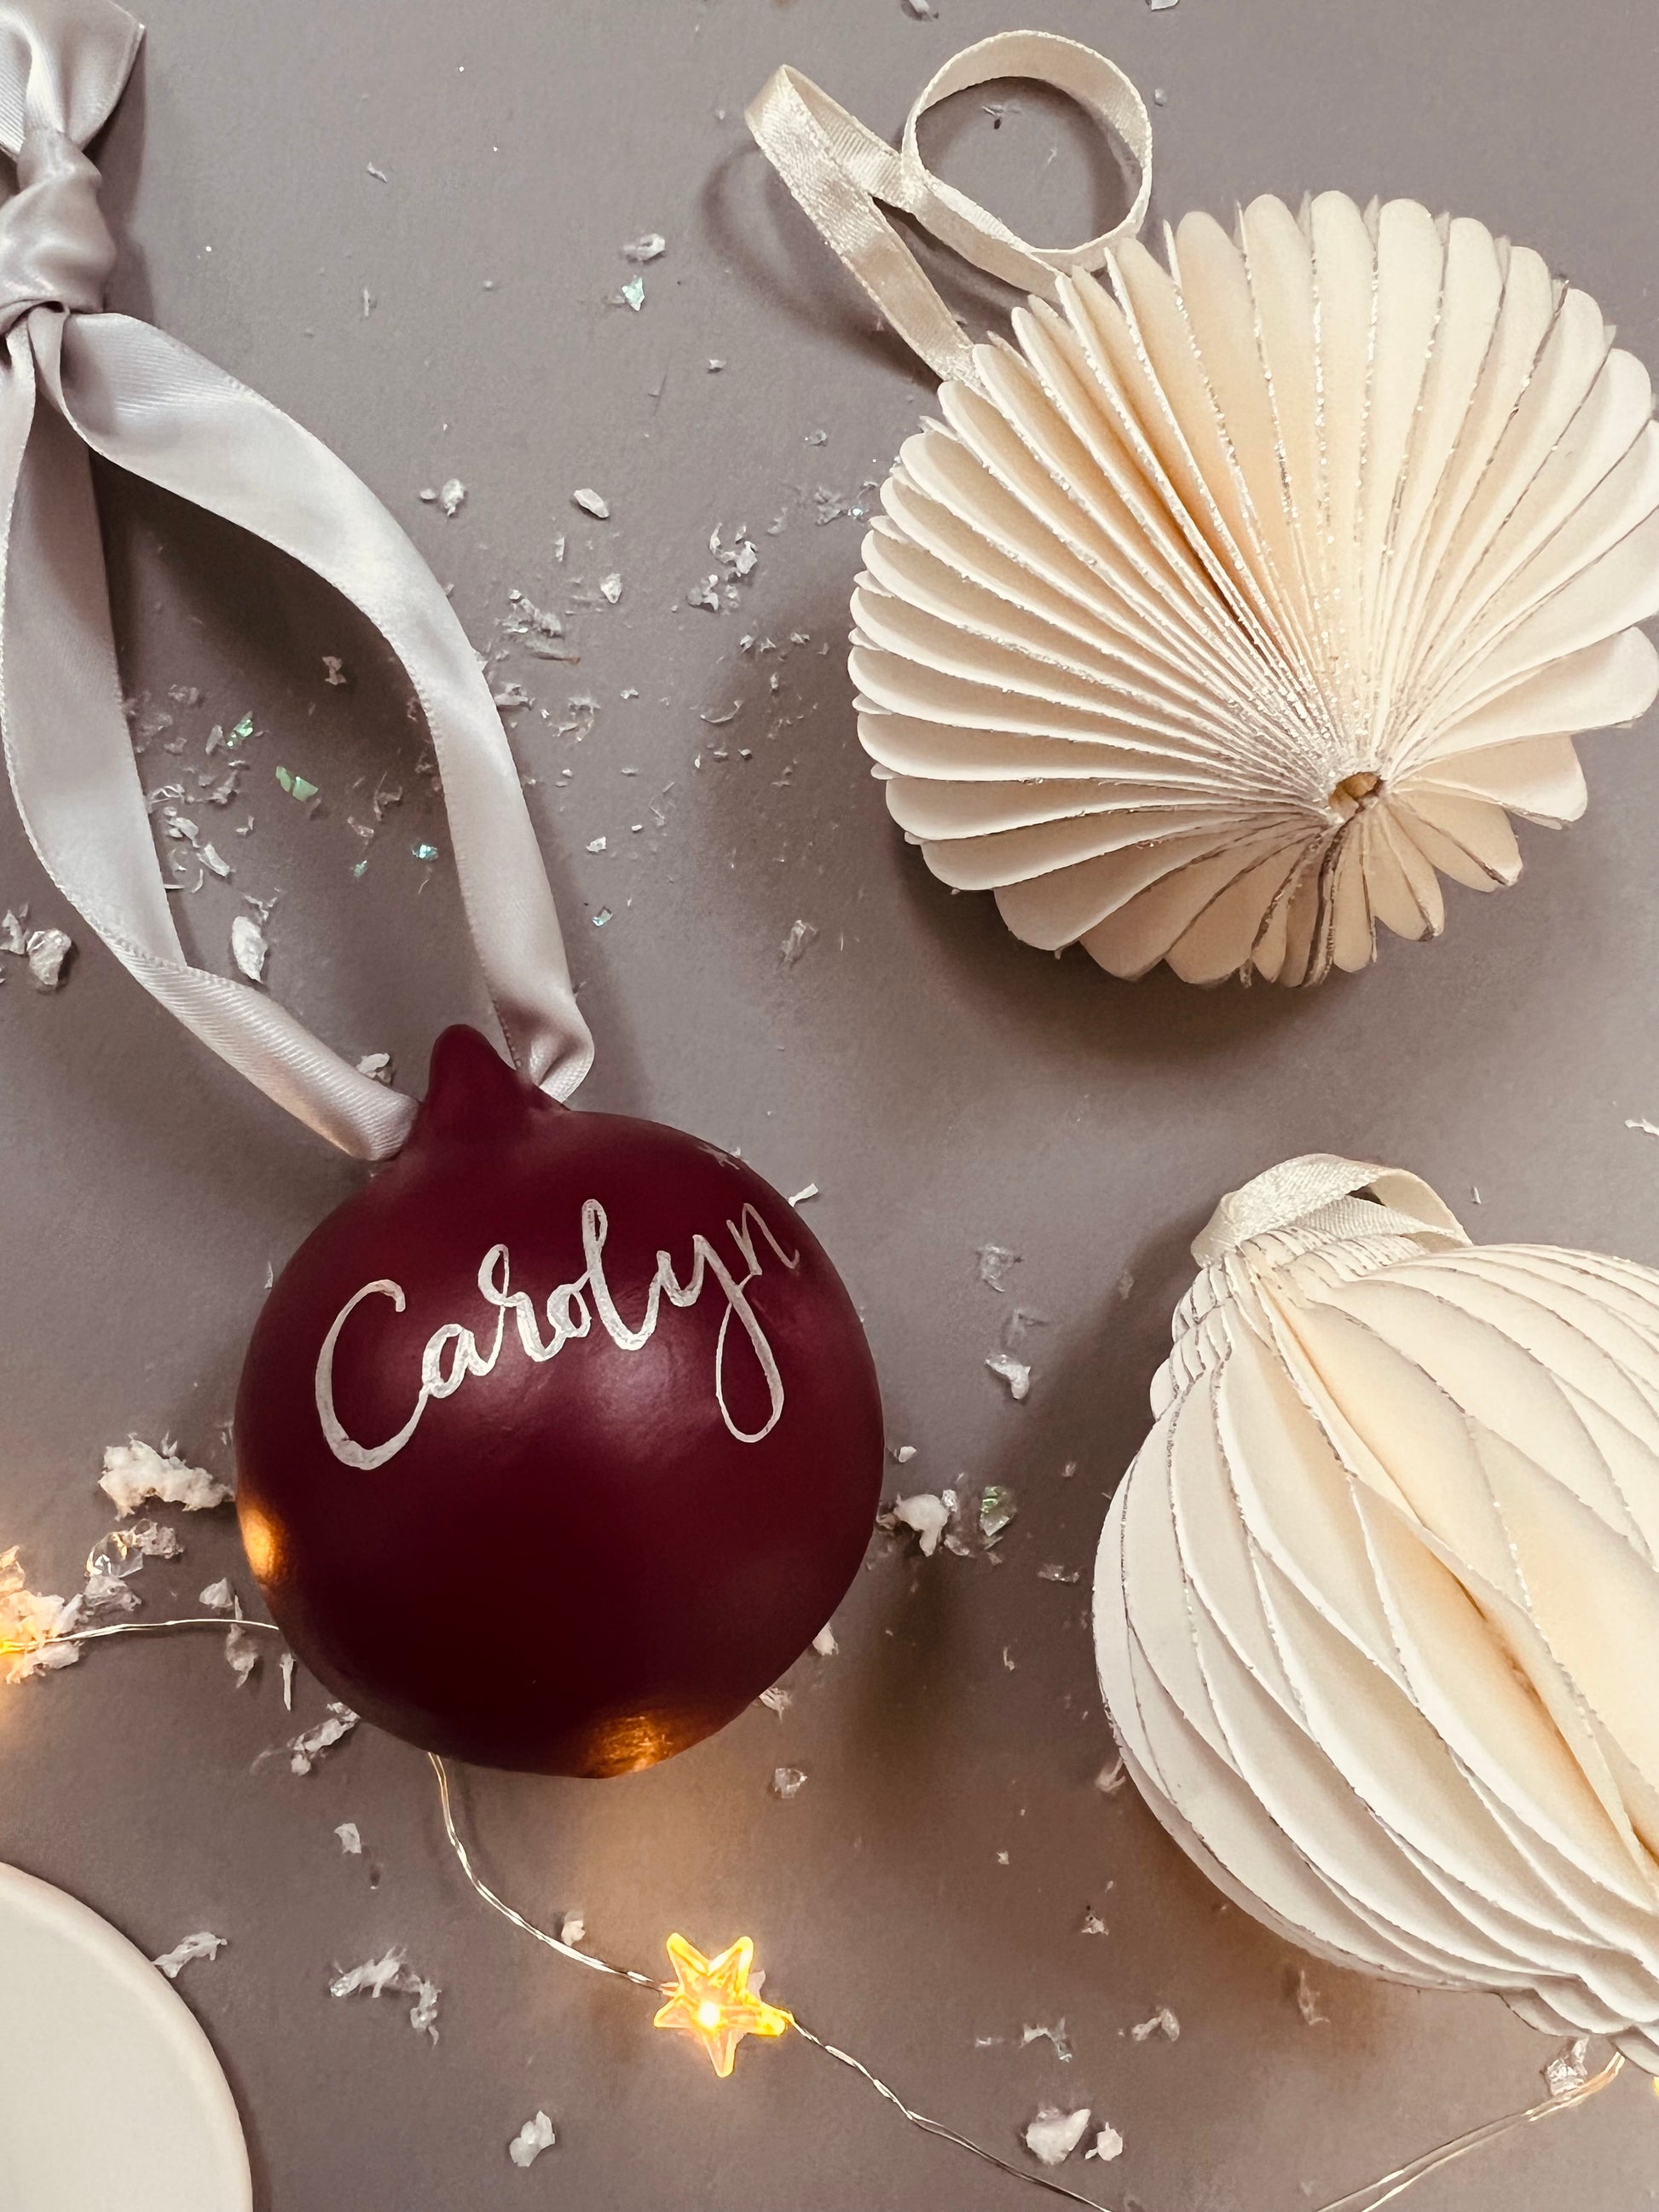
(1016, 1373)
(202, 1945)
(532, 2139)
(591, 502)
(1053, 2136)
(451, 496)
(1056, 2035)
(307, 1749)
(776, 1700)
(376, 1977)
(351, 1839)
(218, 1597)
(1110, 1779)
(1107, 2144)
(572, 1930)
(48, 949)
(824, 1642)
(995, 1261)
(927, 1514)
(646, 247)
(1570, 2068)
(1307, 2002)
(799, 936)
(136, 1472)
(1162, 2022)
(787, 1781)
(248, 947)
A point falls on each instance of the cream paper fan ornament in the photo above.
(1377, 1606)
(1231, 607)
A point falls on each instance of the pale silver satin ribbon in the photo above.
(147, 403)
(838, 170)
(1315, 1185)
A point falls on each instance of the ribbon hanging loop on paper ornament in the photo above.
(74, 380)
(838, 171)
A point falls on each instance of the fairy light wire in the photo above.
(1395, 2185)
(1386, 2189)
(883, 2089)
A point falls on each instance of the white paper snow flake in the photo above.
(1570, 2068)
(1053, 2135)
(787, 1782)
(29, 1619)
(136, 1472)
(1092, 1923)
(202, 1945)
(307, 1749)
(351, 1839)
(391, 1976)
(591, 502)
(799, 936)
(248, 947)
(824, 1642)
(1016, 1373)
(1043, 2033)
(927, 1514)
(242, 1652)
(451, 497)
(920, 7)
(1110, 1779)
(776, 1700)
(610, 587)
(14, 938)
(1307, 2002)
(1644, 1127)
(573, 1928)
(285, 1662)
(116, 1558)
(1162, 2022)
(377, 1064)
(1107, 2144)
(218, 1597)
(649, 245)
(532, 2139)
(995, 1261)
(1052, 1572)
(48, 949)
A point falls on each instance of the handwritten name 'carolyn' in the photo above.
(454, 1352)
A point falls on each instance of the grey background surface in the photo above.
(942, 1084)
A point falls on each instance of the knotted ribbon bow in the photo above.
(74, 379)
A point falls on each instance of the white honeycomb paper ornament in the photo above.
(1231, 608)
(1377, 1606)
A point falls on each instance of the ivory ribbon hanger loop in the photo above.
(142, 401)
(838, 170)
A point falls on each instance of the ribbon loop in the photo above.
(837, 170)
(55, 250)
(73, 379)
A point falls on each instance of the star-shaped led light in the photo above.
(713, 2003)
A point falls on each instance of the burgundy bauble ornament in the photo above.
(559, 1441)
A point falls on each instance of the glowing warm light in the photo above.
(713, 2003)
(261, 1543)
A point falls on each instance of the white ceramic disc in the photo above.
(110, 2094)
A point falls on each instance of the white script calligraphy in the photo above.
(453, 1352)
